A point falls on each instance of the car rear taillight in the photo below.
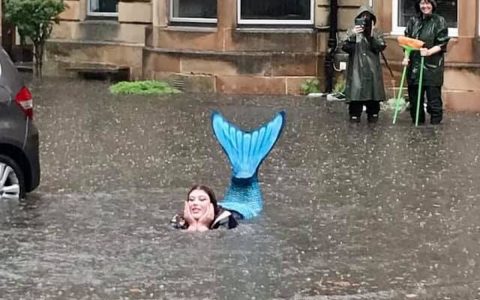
(25, 101)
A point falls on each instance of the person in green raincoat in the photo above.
(364, 86)
(432, 29)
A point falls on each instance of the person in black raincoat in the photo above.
(364, 84)
(432, 29)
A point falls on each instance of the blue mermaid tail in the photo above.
(246, 152)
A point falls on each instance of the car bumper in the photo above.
(32, 150)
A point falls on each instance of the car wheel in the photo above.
(12, 184)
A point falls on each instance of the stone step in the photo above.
(24, 66)
(101, 71)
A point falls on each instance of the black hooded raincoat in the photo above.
(432, 30)
(364, 72)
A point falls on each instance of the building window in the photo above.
(106, 8)
(275, 12)
(196, 11)
(403, 10)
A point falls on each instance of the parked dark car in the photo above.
(19, 143)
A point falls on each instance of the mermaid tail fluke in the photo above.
(246, 151)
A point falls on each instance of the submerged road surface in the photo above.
(351, 211)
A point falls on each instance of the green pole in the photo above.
(400, 90)
(420, 82)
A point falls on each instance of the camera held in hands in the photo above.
(366, 23)
(361, 22)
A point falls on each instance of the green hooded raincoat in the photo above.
(364, 72)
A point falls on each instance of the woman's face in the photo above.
(426, 7)
(198, 202)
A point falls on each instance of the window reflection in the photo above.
(446, 8)
(104, 6)
(275, 9)
(205, 9)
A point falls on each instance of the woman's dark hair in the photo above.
(432, 2)
(209, 192)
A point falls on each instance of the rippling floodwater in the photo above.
(351, 211)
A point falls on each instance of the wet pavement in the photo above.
(351, 211)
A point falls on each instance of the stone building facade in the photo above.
(246, 46)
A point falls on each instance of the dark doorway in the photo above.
(18, 53)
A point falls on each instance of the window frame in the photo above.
(190, 20)
(241, 21)
(99, 14)
(400, 30)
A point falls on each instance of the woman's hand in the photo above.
(203, 224)
(405, 61)
(358, 29)
(431, 51)
(425, 52)
(187, 215)
(206, 220)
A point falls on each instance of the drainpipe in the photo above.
(332, 43)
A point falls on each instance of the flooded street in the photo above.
(352, 211)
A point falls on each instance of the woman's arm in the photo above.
(440, 41)
(178, 222)
(377, 43)
(409, 28)
(431, 51)
(441, 35)
(349, 41)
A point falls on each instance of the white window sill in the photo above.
(452, 32)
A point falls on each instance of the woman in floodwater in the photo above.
(243, 198)
(201, 212)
